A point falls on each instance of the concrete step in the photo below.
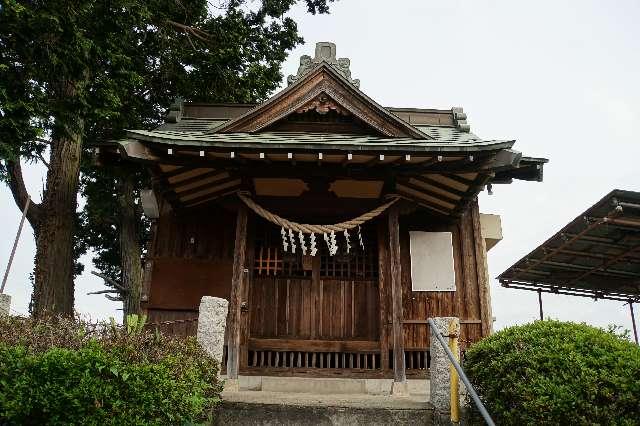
(330, 386)
(287, 408)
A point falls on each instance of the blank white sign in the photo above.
(432, 261)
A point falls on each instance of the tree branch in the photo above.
(113, 299)
(202, 35)
(45, 162)
(105, 291)
(21, 195)
(113, 282)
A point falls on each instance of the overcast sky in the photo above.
(561, 78)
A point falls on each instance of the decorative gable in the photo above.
(323, 86)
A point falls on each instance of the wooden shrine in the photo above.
(334, 226)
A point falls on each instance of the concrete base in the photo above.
(232, 385)
(329, 386)
(400, 389)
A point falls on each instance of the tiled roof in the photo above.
(449, 140)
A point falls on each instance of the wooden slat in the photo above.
(313, 345)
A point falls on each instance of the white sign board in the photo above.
(432, 261)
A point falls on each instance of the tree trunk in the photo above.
(130, 253)
(54, 261)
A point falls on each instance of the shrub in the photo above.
(65, 371)
(552, 372)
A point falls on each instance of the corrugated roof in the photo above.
(595, 255)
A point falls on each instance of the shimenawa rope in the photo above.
(306, 228)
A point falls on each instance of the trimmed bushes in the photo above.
(552, 372)
(68, 372)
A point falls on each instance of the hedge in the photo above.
(552, 372)
(61, 371)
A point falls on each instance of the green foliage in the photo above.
(92, 69)
(552, 372)
(62, 371)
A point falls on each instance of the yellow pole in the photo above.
(455, 398)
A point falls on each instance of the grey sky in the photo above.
(559, 77)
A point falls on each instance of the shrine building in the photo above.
(333, 225)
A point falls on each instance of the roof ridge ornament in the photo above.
(174, 114)
(325, 52)
(460, 118)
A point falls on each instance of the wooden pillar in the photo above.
(482, 272)
(383, 292)
(238, 285)
(395, 274)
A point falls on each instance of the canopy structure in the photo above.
(596, 255)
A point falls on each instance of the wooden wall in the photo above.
(325, 309)
(191, 256)
(465, 303)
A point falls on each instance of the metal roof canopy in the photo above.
(596, 255)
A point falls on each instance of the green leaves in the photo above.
(53, 376)
(552, 372)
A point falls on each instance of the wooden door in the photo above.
(323, 310)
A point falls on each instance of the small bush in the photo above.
(552, 372)
(65, 371)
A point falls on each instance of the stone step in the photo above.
(330, 386)
(285, 408)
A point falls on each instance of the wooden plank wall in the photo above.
(191, 255)
(464, 303)
(329, 309)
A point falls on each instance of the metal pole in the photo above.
(465, 380)
(633, 322)
(540, 304)
(15, 244)
(454, 397)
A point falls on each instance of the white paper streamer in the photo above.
(285, 244)
(302, 243)
(334, 244)
(360, 237)
(293, 242)
(312, 241)
(346, 237)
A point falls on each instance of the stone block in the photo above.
(440, 373)
(5, 304)
(211, 324)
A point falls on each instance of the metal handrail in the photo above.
(465, 380)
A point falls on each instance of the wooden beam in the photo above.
(395, 273)
(428, 181)
(238, 282)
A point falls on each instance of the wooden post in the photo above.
(540, 304)
(238, 283)
(482, 272)
(633, 322)
(383, 291)
(15, 245)
(395, 273)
